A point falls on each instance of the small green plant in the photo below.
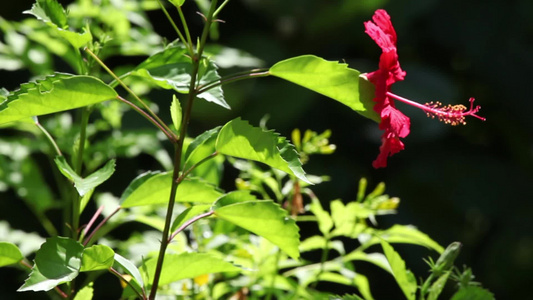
(203, 242)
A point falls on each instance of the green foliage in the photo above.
(58, 261)
(473, 293)
(405, 278)
(97, 257)
(154, 188)
(189, 265)
(9, 254)
(87, 184)
(55, 93)
(263, 218)
(331, 79)
(240, 243)
(239, 139)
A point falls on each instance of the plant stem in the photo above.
(255, 73)
(184, 174)
(171, 136)
(48, 136)
(180, 35)
(78, 164)
(189, 42)
(154, 115)
(91, 222)
(220, 8)
(178, 151)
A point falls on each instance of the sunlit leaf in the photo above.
(329, 78)
(172, 68)
(404, 234)
(264, 218)
(156, 190)
(55, 93)
(377, 259)
(240, 139)
(189, 265)
(201, 147)
(405, 279)
(53, 14)
(9, 254)
(177, 3)
(84, 185)
(175, 112)
(325, 223)
(130, 268)
(97, 257)
(226, 57)
(319, 242)
(86, 293)
(58, 261)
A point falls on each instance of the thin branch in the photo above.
(88, 239)
(184, 174)
(91, 222)
(121, 277)
(171, 136)
(189, 222)
(233, 78)
(154, 115)
(48, 136)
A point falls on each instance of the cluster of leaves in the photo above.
(235, 243)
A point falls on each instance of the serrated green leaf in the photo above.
(58, 261)
(189, 213)
(86, 293)
(175, 112)
(156, 190)
(473, 293)
(172, 68)
(85, 185)
(404, 234)
(329, 78)
(405, 279)
(9, 254)
(130, 268)
(264, 218)
(97, 257)
(437, 286)
(53, 14)
(240, 139)
(55, 93)
(189, 265)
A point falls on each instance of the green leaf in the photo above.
(175, 112)
(172, 68)
(85, 185)
(329, 78)
(58, 261)
(264, 218)
(377, 259)
(156, 190)
(319, 242)
(53, 14)
(345, 297)
(97, 257)
(404, 234)
(189, 265)
(240, 139)
(9, 254)
(130, 268)
(177, 3)
(86, 293)
(437, 286)
(55, 93)
(405, 279)
(325, 223)
(473, 293)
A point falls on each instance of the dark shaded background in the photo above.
(467, 183)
